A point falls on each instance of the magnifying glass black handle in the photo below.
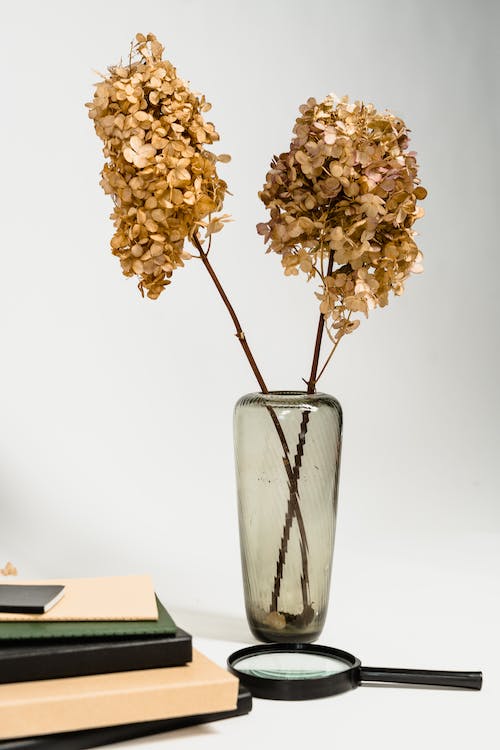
(470, 680)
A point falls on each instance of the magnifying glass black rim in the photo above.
(318, 687)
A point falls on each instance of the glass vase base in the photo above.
(280, 627)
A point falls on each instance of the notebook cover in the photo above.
(25, 631)
(107, 735)
(110, 598)
(28, 599)
(74, 657)
(76, 703)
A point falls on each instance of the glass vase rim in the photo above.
(290, 394)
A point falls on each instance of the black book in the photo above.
(87, 738)
(75, 657)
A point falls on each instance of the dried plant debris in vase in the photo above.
(280, 621)
(342, 203)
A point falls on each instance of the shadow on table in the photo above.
(408, 686)
(161, 739)
(212, 625)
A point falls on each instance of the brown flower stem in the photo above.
(336, 341)
(293, 508)
(328, 359)
(311, 383)
(239, 331)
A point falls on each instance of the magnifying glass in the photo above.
(301, 671)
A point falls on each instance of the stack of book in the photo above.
(104, 663)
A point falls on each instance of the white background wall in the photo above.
(115, 412)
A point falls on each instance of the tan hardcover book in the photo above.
(110, 598)
(49, 706)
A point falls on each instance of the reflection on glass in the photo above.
(291, 666)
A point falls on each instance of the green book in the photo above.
(163, 626)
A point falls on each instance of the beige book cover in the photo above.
(110, 598)
(48, 706)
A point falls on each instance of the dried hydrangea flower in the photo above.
(8, 570)
(161, 176)
(342, 205)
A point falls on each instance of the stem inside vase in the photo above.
(293, 511)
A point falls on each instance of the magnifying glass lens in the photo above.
(295, 665)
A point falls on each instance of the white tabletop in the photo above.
(431, 608)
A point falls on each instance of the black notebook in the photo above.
(27, 599)
(84, 656)
(87, 738)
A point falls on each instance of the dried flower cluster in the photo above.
(162, 178)
(8, 570)
(342, 204)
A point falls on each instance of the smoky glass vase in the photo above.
(287, 453)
